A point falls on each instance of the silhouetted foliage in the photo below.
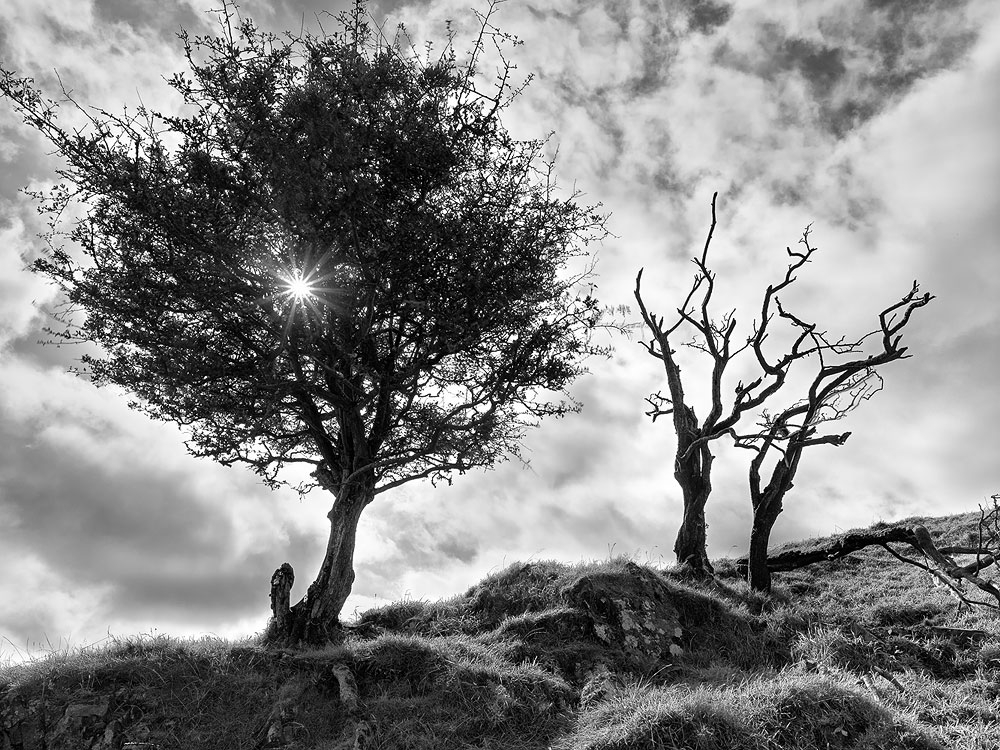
(333, 256)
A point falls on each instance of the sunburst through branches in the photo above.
(299, 288)
(307, 287)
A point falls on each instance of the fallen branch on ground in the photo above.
(937, 561)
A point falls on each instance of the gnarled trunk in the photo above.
(758, 573)
(315, 619)
(693, 474)
(690, 545)
(767, 506)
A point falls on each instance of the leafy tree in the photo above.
(335, 256)
(845, 378)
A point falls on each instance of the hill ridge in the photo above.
(605, 655)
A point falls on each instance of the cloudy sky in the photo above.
(875, 121)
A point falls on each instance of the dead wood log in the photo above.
(960, 635)
(888, 677)
(845, 545)
(935, 560)
(281, 588)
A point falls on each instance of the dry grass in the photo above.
(767, 710)
(842, 655)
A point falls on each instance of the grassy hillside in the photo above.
(602, 656)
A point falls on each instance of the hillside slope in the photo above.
(858, 653)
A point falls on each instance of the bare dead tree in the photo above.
(714, 337)
(846, 377)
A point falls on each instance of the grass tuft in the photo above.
(855, 654)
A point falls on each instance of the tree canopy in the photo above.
(334, 255)
(429, 243)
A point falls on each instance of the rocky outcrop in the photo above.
(539, 638)
(285, 728)
(80, 725)
(630, 610)
(619, 618)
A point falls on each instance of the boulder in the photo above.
(631, 610)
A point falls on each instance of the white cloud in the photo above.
(48, 614)
(106, 501)
(20, 290)
(88, 56)
(650, 119)
(750, 130)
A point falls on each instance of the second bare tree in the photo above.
(846, 377)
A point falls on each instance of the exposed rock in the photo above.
(588, 628)
(82, 725)
(348, 688)
(362, 736)
(322, 700)
(631, 610)
(622, 617)
(23, 723)
(281, 723)
(138, 735)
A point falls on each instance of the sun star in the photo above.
(299, 288)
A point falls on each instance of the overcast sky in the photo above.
(875, 121)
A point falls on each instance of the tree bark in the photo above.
(767, 506)
(691, 538)
(281, 587)
(693, 474)
(758, 571)
(315, 619)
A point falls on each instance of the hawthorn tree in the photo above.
(334, 256)
(837, 388)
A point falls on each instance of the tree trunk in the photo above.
(316, 618)
(281, 588)
(694, 477)
(690, 545)
(758, 573)
(767, 506)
